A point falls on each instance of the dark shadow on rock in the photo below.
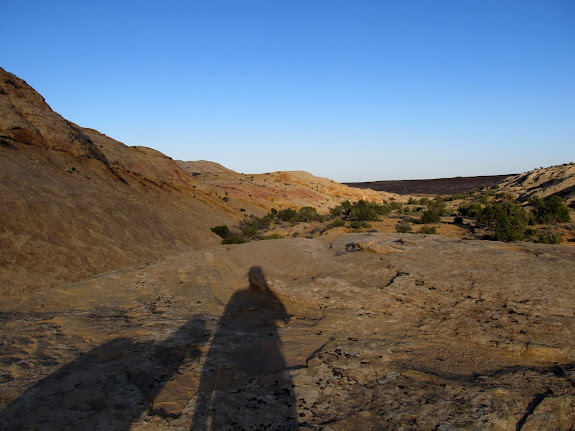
(244, 383)
(111, 386)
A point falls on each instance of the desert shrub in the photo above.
(251, 227)
(336, 223)
(288, 214)
(403, 227)
(222, 231)
(395, 206)
(355, 224)
(507, 220)
(309, 214)
(430, 216)
(435, 209)
(470, 209)
(484, 198)
(550, 211)
(424, 201)
(336, 211)
(383, 209)
(429, 230)
(458, 220)
(550, 238)
(234, 240)
(412, 201)
(363, 211)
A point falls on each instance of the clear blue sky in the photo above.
(351, 90)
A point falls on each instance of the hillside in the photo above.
(76, 202)
(544, 182)
(258, 193)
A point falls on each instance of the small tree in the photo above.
(403, 227)
(507, 220)
(550, 211)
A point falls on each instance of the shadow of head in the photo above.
(257, 280)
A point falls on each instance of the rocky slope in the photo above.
(362, 332)
(555, 180)
(76, 202)
(259, 193)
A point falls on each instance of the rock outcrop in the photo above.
(556, 180)
(392, 332)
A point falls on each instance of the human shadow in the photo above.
(244, 382)
(109, 387)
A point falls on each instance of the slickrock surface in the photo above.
(362, 332)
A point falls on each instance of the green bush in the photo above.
(234, 240)
(336, 211)
(430, 216)
(251, 227)
(435, 209)
(309, 214)
(364, 211)
(550, 238)
(550, 211)
(507, 220)
(424, 201)
(288, 214)
(429, 230)
(336, 223)
(403, 227)
(470, 209)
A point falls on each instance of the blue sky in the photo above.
(351, 90)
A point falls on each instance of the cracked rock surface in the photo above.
(364, 332)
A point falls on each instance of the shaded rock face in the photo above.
(395, 332)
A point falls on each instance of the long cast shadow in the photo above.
(244, 384)
(109, 387)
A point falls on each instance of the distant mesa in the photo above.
(439, 186)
